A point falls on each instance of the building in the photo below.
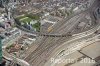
(0, 49)
(9, 36)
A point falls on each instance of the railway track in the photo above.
(45, 48)
(55, 28)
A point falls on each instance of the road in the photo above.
(14, 59)
(48, 44)
(56, 28)
(52, 48)
(71, 47)
(41, 55)
(11, 58)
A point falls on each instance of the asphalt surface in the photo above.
(48, 44)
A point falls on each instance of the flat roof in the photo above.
(92, 50)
